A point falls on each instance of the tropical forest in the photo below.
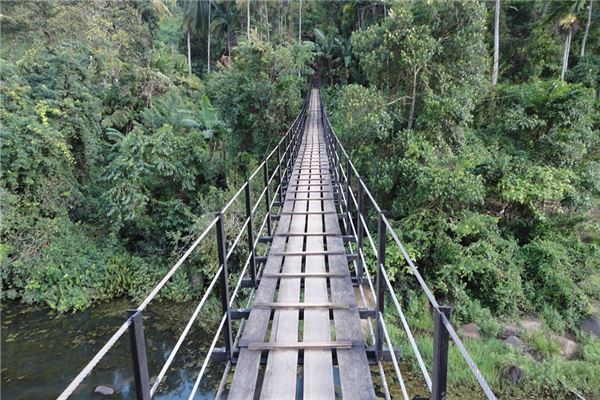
(467, 130)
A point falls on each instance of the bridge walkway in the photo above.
(300, 334)
(304, 317)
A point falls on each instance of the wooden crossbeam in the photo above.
(307, 212)
(305, 275)
(340, 344)
(314, 198)
(302, 305)
(309, 191)
(310, 253)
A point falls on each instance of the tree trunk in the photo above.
(279, 20)
(587, 30)
(289, 26)
(267, 17)
(248, 19)
(208, 44)
(189, 49)
(300, 23)
(565, 64)
(228, 43)
(411, 115)
(496, 44)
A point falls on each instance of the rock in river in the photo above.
(104, 390)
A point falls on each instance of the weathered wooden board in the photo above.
(318, 364)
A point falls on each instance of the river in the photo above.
(42, 351)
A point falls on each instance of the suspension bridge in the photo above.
(313, 326)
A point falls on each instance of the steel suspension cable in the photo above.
(183, 335)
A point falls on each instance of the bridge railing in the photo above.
(272, 175)
(355, 198)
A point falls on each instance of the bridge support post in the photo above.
(138, 355)
(267, 195)
(250, 233)
(280, 190)
(222, 250)
(439, 371)
(359, 230)
(381, 242)
(286, 151)
(348, 189)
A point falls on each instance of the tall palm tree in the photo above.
(208, 29)
(566, 13)
(496, 43)
(196, 19)
(568, 26)
(300, 22)
(587, 30)
(248, 18)
(224, 21)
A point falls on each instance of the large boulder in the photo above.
(507, 331)
(469, 331)
(531, 326)
(591, 325)
(515, 343)
(567, 346)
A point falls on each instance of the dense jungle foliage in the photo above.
(121, 133)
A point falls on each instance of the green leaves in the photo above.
(536, 186)
(259, 94)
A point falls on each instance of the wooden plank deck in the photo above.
(308, 211)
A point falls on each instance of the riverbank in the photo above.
(529, 366)
(42, 351)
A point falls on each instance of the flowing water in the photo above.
(42, 351)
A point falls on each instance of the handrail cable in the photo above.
(87, 369)
(477, 374)
(366, 305)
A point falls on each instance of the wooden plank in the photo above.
(281, 371)
(278, 304)
(243, 385)
(308, 234)
(355, 375)
(247, 366)
(327, 345)
(318, 199)
(311, 253)
(306, 275)
(309, 212)
(318, 364)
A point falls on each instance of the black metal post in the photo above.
(439, 371)
(138, 355)
(280, 191)
(285, 157)
(222, 250)
(348, 188)
(250, 233)
(381, 236)
(267, 196)
(359, 229)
